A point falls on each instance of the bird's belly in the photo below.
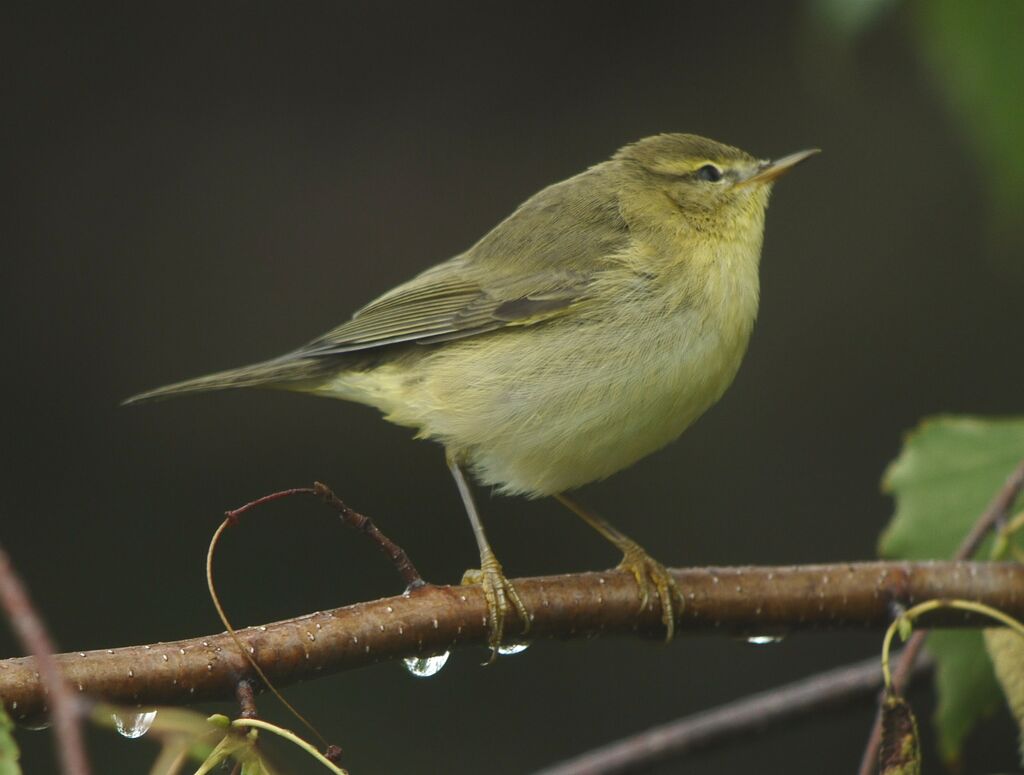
(541, 411)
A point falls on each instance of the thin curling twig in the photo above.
(231, 518)
(234, 514)
(996, 512)
(245, 690)
(33, 635)
(350, 517)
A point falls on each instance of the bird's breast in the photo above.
(541, 409)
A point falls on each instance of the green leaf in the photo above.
(966, 685)
(948, 471)
(974, 50)
(9, 754)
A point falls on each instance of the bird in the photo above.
(588, 329)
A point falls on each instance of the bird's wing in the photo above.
(447, 302)
(533, 266)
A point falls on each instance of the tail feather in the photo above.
(282, 372)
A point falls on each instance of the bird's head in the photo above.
(714, 187)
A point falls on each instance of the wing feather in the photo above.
(439, 312)
(533, 266)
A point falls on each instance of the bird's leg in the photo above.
(648, 572)
(501, 596)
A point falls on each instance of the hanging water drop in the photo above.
(133, 725)
(424, 667)
(764, 640)
(507, 649)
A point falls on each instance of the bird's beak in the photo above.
(768, 171)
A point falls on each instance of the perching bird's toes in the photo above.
(501, 598)
(651, 574)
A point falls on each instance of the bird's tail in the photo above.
(285, 372)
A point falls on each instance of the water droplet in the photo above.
(132, 725)
(507, 649)
(424, 667)
(764, 640)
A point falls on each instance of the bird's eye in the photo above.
(710, 173)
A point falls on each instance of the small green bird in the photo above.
(588, 329)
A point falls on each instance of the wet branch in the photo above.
(431, 619)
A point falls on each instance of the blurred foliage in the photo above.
(8, 748)
(945, 476)
(1006, 648)
(850, 18)
(974, 52)
(186, 736)
(966, 686)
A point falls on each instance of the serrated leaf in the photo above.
(9, 753)
(948, 471)
(966, 685)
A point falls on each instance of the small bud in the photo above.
(900, 752)
(904, 627)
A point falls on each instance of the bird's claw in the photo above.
(501, 597)
(652, 575)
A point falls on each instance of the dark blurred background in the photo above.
(190, 190)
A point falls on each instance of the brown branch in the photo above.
(997, 511)
(49, 681)
(432, 619)
(748, 715)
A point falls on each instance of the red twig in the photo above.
(234, 514)
(364, 524)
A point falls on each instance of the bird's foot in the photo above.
(501, 598)
(652, 577)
